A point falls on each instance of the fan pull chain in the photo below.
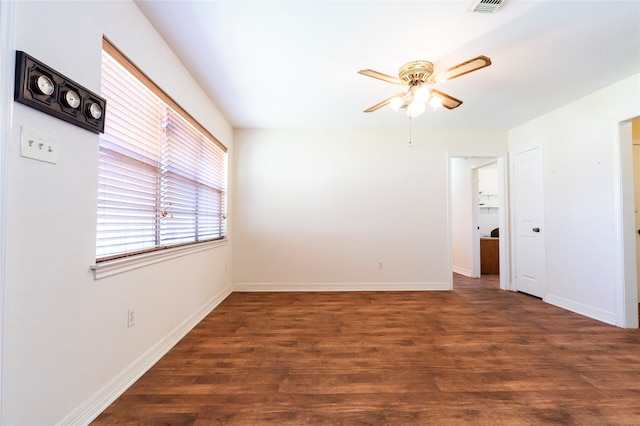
(410, 142)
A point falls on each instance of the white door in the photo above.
(528, 227)
(636, 190)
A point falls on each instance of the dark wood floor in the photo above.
(476, 355)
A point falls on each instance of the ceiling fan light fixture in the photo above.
(418, 77)
(396, 102)
(435, 101)
(421, 94)
(415, 109)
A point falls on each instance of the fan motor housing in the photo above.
(416, 72)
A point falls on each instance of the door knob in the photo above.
(538, 230)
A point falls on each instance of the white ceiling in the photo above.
(293, 64)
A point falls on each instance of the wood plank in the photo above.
(474, 355)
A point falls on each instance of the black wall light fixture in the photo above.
(45, 89)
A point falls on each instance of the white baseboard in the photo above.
(383, 286)
(579, 308)
(463, 271)
(96, 404)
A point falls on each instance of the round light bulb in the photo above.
(396, 102)
(72, 99)
(45, 85)
(435, 102)
(421, 94)
(94, 110)
(415, 109)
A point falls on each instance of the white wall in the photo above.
(321, 209)
(6, 101)
(66, 336)
(488, 218)
(579, 184)
(461, 217)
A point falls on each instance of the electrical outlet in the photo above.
(38, 146)
(131, 318)
(380, 266)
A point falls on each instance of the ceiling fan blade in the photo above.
(383, 103)
(448, 101)
(381, 76)
(462, 69)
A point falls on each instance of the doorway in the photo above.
(626, 232)
(487, 210)
(478, 206)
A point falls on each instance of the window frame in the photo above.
(146, 254)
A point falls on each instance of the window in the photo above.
(162, 176)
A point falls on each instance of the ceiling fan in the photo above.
(418, 76)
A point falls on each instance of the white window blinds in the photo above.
(162, 177)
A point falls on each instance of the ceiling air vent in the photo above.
(485, 6)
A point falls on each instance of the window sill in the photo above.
(118, 266)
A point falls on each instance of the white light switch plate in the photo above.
(38, 146)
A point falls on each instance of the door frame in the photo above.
(7, 66)
(503, 215)
(626, 280)
(475, 223)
